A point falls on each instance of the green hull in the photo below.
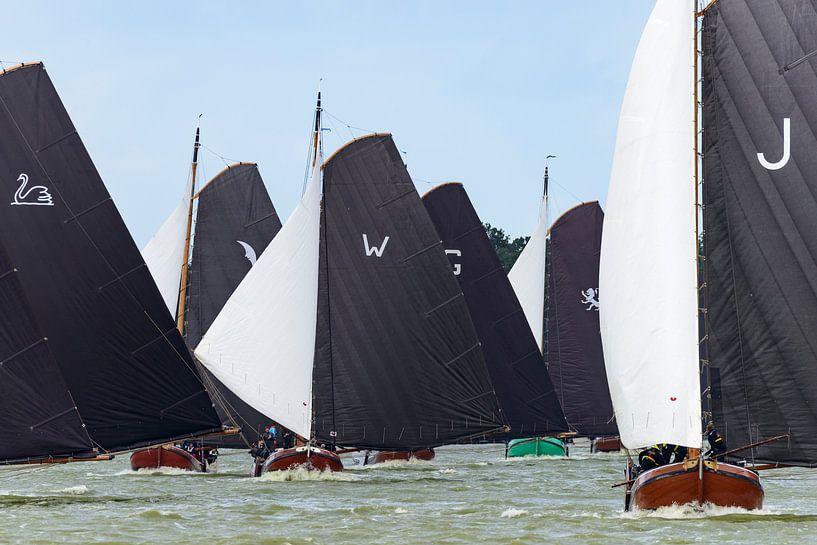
(536, 446)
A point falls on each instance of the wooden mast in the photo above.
(183, 285)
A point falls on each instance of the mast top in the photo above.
(196, 145)
(316, 142)
(546, 173)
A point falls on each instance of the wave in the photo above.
(74, 490)
(512, 513)
(303, 474)
(695, 511)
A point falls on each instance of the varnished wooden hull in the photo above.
(165, 456)
(720, 484)
(605, 444)
(380, 456)
(312, 458)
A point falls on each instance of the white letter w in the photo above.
(374, 249)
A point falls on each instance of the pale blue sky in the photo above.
(478, 92)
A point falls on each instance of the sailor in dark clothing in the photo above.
(259, 450)
(673, 454)
(650, 458)
(288, 441)
(271, 437)
(716, 443)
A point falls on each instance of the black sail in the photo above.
(525, 391)
(398, 363)
(85, 336)
(235, 221)
(575, 358)
(760, 76)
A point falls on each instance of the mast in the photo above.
(317, 146)
(546, 298)
(183, 285)
(705, 406)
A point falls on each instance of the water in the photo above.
(468, 494)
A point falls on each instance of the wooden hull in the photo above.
(311, 458)
(605, 444)
(165, 456)
(536, 446)
(370, 457)
(720, 484)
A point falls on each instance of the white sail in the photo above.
(648, 280)
(164, 253)
(527, 277)
(262, 343)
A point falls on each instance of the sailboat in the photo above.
(234, 220)
(92, 363)
(528, 279)
(751, 345)
(574, 352)
(529, 401)
(350, 330)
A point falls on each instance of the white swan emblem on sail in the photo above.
(36, 195)
(249, 252)
(590, 296)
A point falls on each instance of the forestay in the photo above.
(648, 279)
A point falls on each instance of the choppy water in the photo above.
(468, 494)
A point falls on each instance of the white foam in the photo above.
(511, 513)
(694, 511)
(74, 490)
(303, 474)
(400, 511)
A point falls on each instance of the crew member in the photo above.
(673, 454)
(259, 450)
(650, 458)
(716, 443)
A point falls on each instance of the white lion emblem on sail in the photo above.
(590, 298)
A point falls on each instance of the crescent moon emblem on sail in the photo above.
(249, 253)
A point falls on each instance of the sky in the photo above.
(476, 92)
